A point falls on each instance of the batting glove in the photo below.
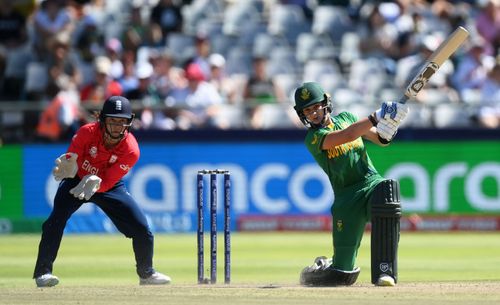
(87, 187)
(66, 166)
(392, 110)
(387, 129)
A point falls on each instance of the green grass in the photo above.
(434, 268)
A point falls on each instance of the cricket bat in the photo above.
(440, 55)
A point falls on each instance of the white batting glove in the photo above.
(87, 187)
(387, 129)
(392, 110)
(66, 166)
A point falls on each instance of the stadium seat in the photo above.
(229, 116)
(349, 48)
(17, 61)
(332, 21)
(345, 98)
(450, 116)
(271, 116)
(332, 81)
(239, 60)
(181, 46)
(36, 77)
(238, 16)
(288, 21)
(281, 61)
(264, 43)
(316, 68)
(307, 43)
(420, 116)
(288, 83)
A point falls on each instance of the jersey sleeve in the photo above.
(78, 143)
(348, 116)
(314, 140)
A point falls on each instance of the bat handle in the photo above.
(403, 99)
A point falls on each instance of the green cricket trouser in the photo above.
(350, 213)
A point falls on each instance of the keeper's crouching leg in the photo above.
(385, 219)
(321, 273)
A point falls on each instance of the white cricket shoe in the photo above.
(156, 278)
(385, 280)
(46, 280)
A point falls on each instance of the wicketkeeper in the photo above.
(361, 193)
(92, 169)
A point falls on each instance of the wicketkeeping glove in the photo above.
(66, 166)
(387, 129)
(392, 110)
(87, 187)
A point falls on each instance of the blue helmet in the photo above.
(116, 107)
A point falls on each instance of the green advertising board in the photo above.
(11, 182)
(443, 177)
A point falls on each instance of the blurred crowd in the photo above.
(234, 64)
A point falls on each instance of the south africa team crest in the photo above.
(340, 225)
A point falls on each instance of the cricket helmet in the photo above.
(116, 107)
(308, 94)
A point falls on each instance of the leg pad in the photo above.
(385, 219)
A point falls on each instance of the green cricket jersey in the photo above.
(346, 165)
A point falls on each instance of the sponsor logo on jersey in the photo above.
(93, 151)
(113, 158)
(340, 225)
(125, 167)
(89, 168)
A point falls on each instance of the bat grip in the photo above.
(403, 99)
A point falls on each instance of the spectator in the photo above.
(166, 17)
(61, 118)
(12, 37)
(136, 34)
(472, 69)
(145, 91)
(197, 102)
(203, 47)
(89, 41)
(13, 29)
(218, 78)
(114, 51)
(49, 20)
(488, 25)
(103, 86)
(260, 90)
(489, 111)
(129, 80)
(62, 64)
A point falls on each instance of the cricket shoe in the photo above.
(385, 280)
(46, 280)
(156, 278)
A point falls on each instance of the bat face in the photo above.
(438, 57)
(421, 79)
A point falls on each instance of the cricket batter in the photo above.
(361, 193)
(92, 169)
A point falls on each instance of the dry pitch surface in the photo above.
(405, 293)
(435, 269)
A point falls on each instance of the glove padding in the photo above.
(392, 110)
(387, 129)
(87, 187)
(66, 166)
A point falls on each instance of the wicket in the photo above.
(213, 225)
